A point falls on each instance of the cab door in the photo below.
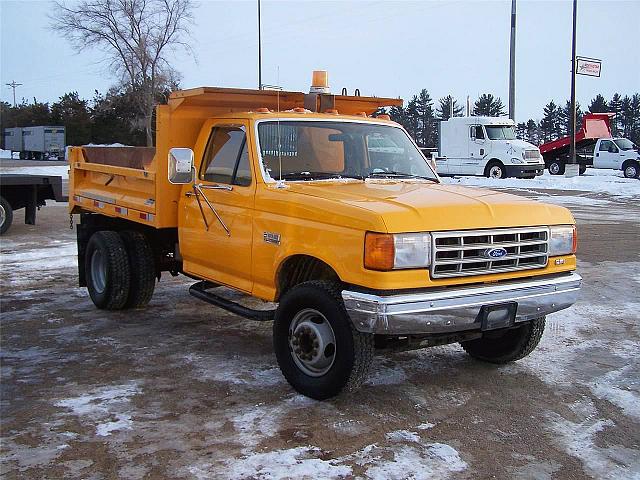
(607, 155)
(216, 226)
(474, 163)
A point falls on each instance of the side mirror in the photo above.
(181, 166)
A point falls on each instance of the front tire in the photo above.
(507, 345)
(631, 170)
(318, 350)
(107, 270)
(6, 215)
(495, 169)
(556, 167)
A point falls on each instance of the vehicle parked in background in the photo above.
(595, 148)
(36, 143)
(29, 192)
(307, 201)
(485, 146)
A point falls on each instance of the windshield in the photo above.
(625, 144)
(500, 132)
(312, 150)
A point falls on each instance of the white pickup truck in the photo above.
(616, 153)
(485, 146)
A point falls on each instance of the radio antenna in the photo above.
(279, 138)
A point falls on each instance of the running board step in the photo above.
(199, 290)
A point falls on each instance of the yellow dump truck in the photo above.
(309, 202)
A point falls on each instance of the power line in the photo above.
(13, 85)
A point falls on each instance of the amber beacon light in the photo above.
(319, 82)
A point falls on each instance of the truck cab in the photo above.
(485, 146)
(617, 154)
(333, 216)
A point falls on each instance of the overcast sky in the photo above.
(384, 48)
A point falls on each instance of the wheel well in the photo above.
(629, 162)
(302, 268)
(491, 163)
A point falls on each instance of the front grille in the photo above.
(462, 253)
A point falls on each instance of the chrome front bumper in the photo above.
(454, 309)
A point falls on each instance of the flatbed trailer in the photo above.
(29, 192)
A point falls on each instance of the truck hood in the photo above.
(408, 206)
(521, 145)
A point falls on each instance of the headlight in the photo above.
(563, 240)
(517, 160)
(385, 251)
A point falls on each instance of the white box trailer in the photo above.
(13, 139)
(485, 146)
(43, 142)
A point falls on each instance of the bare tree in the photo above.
(137, 37)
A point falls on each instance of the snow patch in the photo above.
(611, 182)
(53, 170)
(102, 405)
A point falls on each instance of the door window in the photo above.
(226, 158)
(477, 133)
(608, 146)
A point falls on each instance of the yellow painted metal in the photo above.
(326, 220)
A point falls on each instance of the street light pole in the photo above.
(259, 49)
(572, 119)
(512, 64)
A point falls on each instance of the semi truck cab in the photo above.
(485, 146)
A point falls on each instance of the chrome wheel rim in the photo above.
(554, 168)
(630, 171)
(312, 342)
(3, 215)
(495, 172)
(98, 271)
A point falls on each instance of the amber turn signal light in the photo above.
(379, 251)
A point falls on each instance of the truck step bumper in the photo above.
(446, 310)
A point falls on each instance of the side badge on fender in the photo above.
(270, 237)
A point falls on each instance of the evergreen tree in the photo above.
(398, 115)
(550, 123)
(521, 130)
(615, 106)
(533, 132)
(444, 109)
(598, 105)
(489, 106)
(427, 133)
(73, 113)
(412, 118)
(564, 119)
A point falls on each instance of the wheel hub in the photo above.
(496, 172)
(98, 271)
(312, 342)
(631, 172)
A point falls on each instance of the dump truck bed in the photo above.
(594, 126)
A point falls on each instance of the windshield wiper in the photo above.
(393, 174)
(317, 176)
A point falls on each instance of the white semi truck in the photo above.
(485, 146)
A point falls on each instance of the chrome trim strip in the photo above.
(442, 310)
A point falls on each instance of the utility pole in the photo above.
(13, 85)
(259, 49)
(512, 64)
(572, 123)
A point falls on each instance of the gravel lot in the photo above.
(185, 390)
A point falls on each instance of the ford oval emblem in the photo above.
(498, 252)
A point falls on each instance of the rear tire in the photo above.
(556, 167)
(583, 169)
(107, 270)
(142, 281)
(318, 350)
(6, 215)
(508, 345)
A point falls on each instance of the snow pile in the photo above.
(6, 153)
(53, 170)
(611, 182)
